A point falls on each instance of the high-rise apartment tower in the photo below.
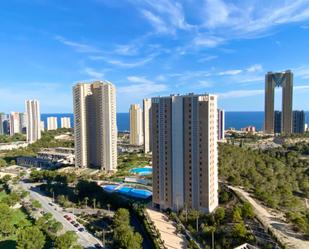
(65, 122)
(14, 123)
(184, 152)
(52, 123)
(147, 124)
(33, 120)
(136, 125)
(95, 125)
(221, 124)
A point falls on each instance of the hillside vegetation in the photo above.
(277, 177)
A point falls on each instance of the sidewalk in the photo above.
(167, 230)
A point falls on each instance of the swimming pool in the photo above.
(142, 171)
(129, 191)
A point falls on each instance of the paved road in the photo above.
(275, 222)
(85, 239)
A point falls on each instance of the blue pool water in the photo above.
(129, 191)
(142, 171)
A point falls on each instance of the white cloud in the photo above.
(126, 49)
(251, 18)
(137, 63)
(124, 63)
(207, 58)
(240, 93)
(230, 72)
(217, 12)
(94, 73)
(302, 72)
(204, 84)
(158, 24)
(142, 87)
(138, 79)
(255, 68)
(207, 41)
(77, 46)
(166, 16)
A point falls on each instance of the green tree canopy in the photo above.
(30, 238)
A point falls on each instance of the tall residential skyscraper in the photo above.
(22, 122)
(42, 126)
(52, 123)
(65, 122)
(147, 124)
(14, 123)
(184, 152)
(136, 125)
(299, 120)
(221, 124)
(33, 120)
(95, 125)
(2, 118)
(284, 80)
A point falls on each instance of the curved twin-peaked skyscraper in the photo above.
(273, 80)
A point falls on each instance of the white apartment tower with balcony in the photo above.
(136, 125)
(95, 125)
(33, 120)
(147, 124)
(52, 123)
(65, 122)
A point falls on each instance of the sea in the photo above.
(236, 120)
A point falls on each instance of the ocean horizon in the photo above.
(236, 120)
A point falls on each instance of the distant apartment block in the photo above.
(95, 125)
(2, 118)
(14, 123)
(22, 122)
(33, 120)
(221, 124)
(65, 122)
(52, 123)
(184, 152)
(147, 124)
(136, 125)
(250, 129)
(42, 126)
(299, 120)
(273, 80)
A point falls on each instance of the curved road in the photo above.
(85, 239)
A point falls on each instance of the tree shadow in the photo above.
(8, 244)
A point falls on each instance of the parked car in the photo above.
(76, 225)
(98, 246)
(81, 229)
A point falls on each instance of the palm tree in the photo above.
(94, 202)
(86, 200)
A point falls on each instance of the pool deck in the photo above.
(167, 230)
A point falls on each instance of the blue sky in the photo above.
(150, 48)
